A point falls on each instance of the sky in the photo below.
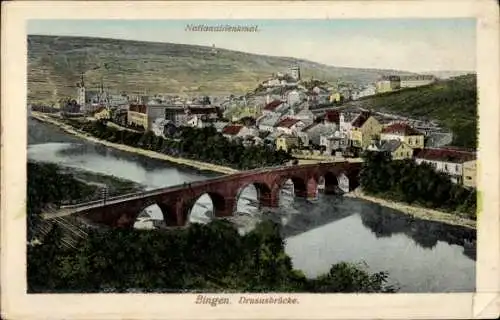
(415, 45)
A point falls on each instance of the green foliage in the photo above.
(349, 277)
(204, 144)
(452, 102)
(209, 258)
(47, 185)
(408, 182)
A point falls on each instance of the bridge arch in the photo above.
(155, 214)
(299, 184)
(335, 181)
(210, 204)
(263, 194)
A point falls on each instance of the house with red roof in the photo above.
(233, 131)
(290, 125)
(404, 133)
(365, 128)
(273, 107)
(460, 165)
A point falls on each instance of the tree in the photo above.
(406, 181)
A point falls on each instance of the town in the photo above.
(168, 163)
(309, 119)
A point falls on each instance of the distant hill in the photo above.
(447, 74)
(55, 64)
(453, 102)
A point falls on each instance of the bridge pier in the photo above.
(310, 191)
(330, 189)
(172, 213)
(308, 194)
(270, 199)
(227, 209)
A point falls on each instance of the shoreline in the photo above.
(415, 211)
(411, 210)
(113, 183)
(199, 165)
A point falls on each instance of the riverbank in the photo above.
(115, 185)
(203, 166)
(415, 211)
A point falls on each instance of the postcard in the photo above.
(233, 160)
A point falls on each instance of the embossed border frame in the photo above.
(16, 304)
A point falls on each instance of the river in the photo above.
(420, 256)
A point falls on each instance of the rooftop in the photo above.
(271, 106)
(202, 110)
(332, 116)
(390, 78)
(401, 129)
(361, 119)
(287, 123)
(417, 77)
(232, 129)
(141, 108)
(390, 145)
(312, 125)
(445, 154)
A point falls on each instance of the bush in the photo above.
(408, 182)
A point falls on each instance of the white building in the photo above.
(158, 126)
(365, 92)
(290, 126)
(445, 160)
(268, 122)
(333, 142)
(345, 123)
(272, 83)
(293, 97)
(315, 130)
(194, 121)
(418, 80)
(237, 131)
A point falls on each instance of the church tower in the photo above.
(81, 93)
(295, 72)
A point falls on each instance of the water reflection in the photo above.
(385, 222)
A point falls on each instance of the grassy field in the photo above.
(452, 102)
(55, 65)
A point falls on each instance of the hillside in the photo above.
(453, 102)
(55, 64)
(447, 74)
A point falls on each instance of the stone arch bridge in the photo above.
(176, 202)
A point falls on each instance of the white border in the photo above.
(16, 304)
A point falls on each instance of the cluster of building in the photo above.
(338, 132)
(282, 118)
